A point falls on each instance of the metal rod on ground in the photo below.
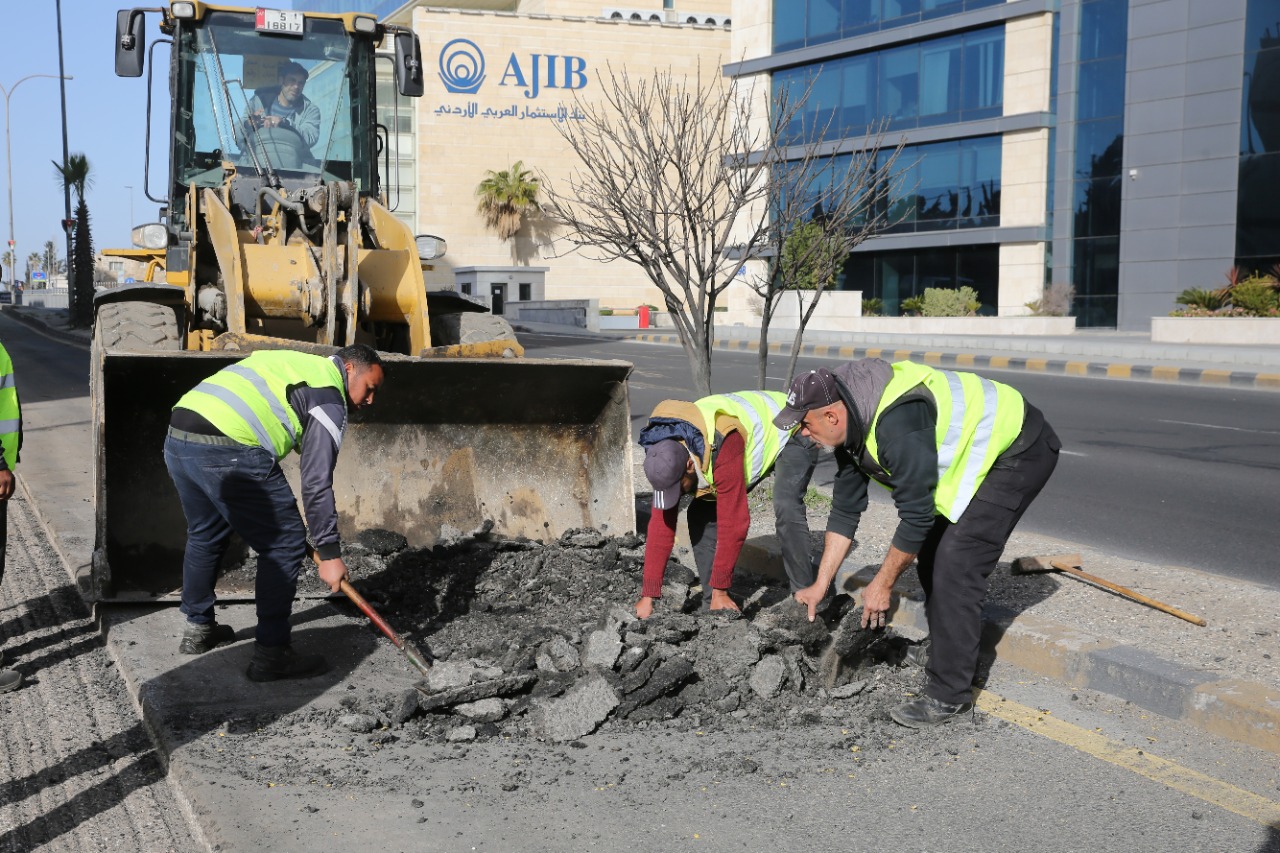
(409, 649)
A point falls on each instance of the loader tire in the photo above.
(137, 327)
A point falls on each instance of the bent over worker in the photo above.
(10, 445)
(964, 457)
(226, 439)
(718, 448)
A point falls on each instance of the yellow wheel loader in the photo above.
(275, 232)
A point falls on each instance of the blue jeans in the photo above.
(234, 488)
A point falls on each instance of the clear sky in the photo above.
(106, 121)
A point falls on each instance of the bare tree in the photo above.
(690, 178)
(822, 207)
(672, 174)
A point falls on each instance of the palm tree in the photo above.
(506, 198)
(75, 174)
(34, 262)
(51, 260)
(6, 260)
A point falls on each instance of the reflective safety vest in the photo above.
(977, 421)
(249, 400)
(755, 411)
(10, 412)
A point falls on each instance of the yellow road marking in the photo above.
(1077, 368)
(1165, 373)
(1215, 377)
(965, 359)
(1188, 781)
(1267, 380)
(846, 352)
(1120, 371)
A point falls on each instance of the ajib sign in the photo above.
(462, 70)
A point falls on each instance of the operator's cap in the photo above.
(813, 389)
(664, 464)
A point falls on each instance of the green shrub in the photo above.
(1256, 295)
(872, 307)
(945, 302)
(913, 307)
(1197, 311)
(1200, 297)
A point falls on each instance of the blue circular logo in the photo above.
(461, 67)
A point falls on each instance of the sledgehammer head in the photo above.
(1042, 563)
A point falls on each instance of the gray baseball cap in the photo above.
(664, 464)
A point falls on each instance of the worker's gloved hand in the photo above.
(811, 597)
(6, 484)
(332, 572)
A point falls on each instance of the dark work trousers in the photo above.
(225, 488)
(792, 472)
(957, 559)
(791, 475)
(4, 534)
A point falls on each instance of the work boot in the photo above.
(272, 663)
(918, 655)
(9, 680)
(927, 712)
(198, 639)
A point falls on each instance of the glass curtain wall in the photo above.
(941, 186)
(894, 276)
(801, 23)
(1257, 215)
(1099, 133)
(939, 81)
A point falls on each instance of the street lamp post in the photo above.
(8, 160)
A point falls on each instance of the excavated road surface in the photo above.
(78, 770)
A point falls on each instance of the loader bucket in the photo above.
(535, 446)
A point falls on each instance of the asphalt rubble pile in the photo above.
(540, 640)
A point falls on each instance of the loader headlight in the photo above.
(153, 235)
(429, 247)
(183, 10)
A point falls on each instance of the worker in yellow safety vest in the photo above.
(10, 444)
(226, 439)
(963, 457)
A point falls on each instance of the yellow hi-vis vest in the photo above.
(755, 411)
(10, 411)
(977, 421)
(249, 401)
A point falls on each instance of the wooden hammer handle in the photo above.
(1127, 593)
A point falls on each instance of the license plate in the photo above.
(280, 21)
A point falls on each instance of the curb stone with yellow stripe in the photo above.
(1243, 711)
(969, 361)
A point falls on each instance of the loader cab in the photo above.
(229, 78)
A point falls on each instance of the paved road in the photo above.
(1054, 769)
(1169, 474)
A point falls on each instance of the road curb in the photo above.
(1244, 711)
(1062, 366)
(45, 329)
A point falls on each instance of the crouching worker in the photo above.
(226, 439)
(718, 448)
(964, 457)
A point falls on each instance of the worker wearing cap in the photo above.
(964, 457)
(227, 437)
(10, 444)
(718, 448)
